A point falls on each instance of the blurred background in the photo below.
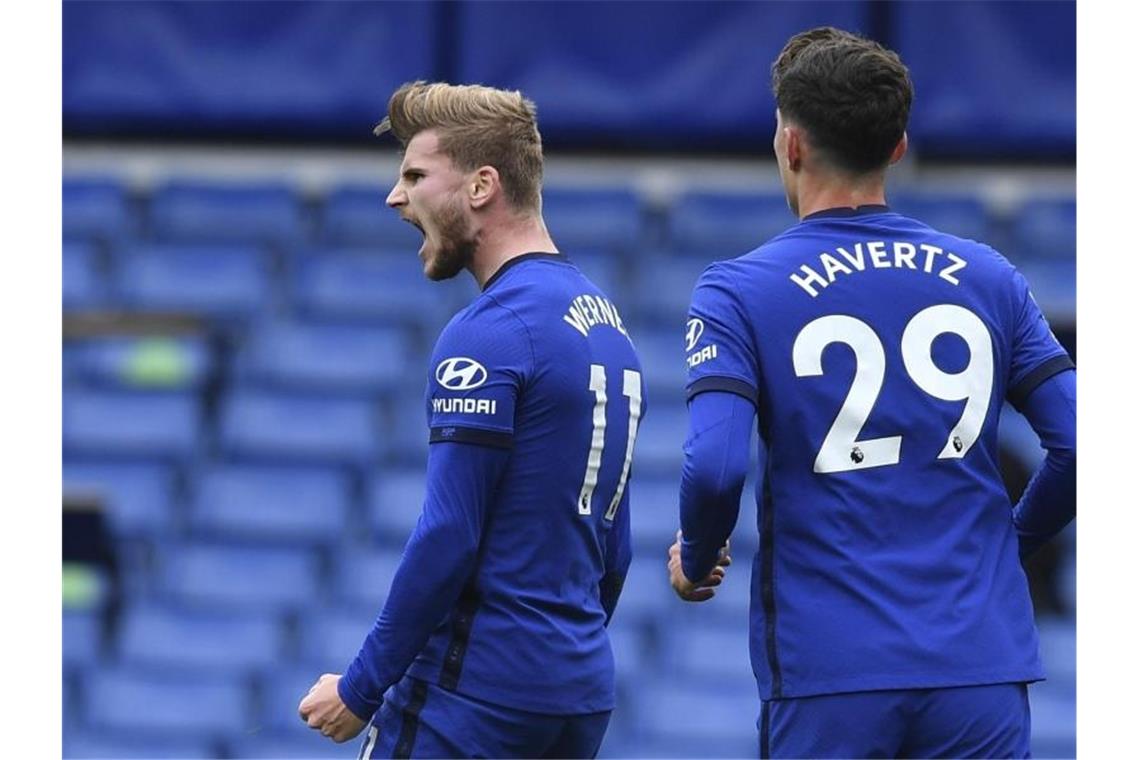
(246, 326)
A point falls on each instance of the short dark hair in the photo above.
(849, 93)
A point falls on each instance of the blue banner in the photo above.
(992, 78)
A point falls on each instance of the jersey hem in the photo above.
(916, 681)
(508, 697)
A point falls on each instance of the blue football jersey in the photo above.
(878, 352)
(539, 363)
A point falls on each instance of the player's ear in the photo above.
(899, 151)
(794, 145)
(482, 186)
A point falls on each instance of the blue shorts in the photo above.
(421, 719)
(967, 721)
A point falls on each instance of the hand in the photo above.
(323, 710)
(685, 588)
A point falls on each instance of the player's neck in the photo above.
(501, 242)
(827, 192)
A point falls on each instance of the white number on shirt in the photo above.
(631, 388)
(841, 450)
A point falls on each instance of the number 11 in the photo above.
(631, 388)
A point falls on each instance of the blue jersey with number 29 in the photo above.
(878, 352)
(540, 364)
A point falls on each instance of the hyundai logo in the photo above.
(693, 333)
(460, 373)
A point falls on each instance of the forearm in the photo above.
(1049, 502)
(438, 562)
(713, 474)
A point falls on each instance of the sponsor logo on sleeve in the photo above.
(460, 373)
(693, 333)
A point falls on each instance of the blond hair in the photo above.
(477, 126)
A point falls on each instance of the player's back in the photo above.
(882, 352)
(558, 382)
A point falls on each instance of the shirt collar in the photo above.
(518, 260)
(847, 211)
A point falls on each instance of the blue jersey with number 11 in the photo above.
(540, 364)
(878, 352)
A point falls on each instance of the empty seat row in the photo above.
(313, 506)
(235, 284)
(613, 218)
(259, 423)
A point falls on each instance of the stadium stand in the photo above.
(291, 433)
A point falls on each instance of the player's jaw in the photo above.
(448, 245)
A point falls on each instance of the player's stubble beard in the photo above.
(455, 245)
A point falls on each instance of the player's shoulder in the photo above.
(484, 320)
(963, 246)
(723, 277)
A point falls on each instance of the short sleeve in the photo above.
(1036, 354)
(478, 369)
(718, 349)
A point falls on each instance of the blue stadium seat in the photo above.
(593, 217)
(204, 212)
(661, 296)
(168, 639)
(632, 653)
(126, 745)
(377, 286)
(163, 706)
(303, 356)
(659, 440)
(706, 651)
(96, 209)
(1054, 287)
(330, 638)
(300, 744)
(1058, 646)
(183, 362)
(646, 595)
(143, 426)
(654, 515)
(965, 216)
(230, 283)
(357, 215)
(677, 718)
(83, 284)
(727, 225)
(1046, 229)
(1054, 721)
(395, 500)
(138, 497)
(604, 269)
(260, 579)
(361, 579)
(662, 353)
(406, 432)
(294, 504)
(272, 426)
(82, 638)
